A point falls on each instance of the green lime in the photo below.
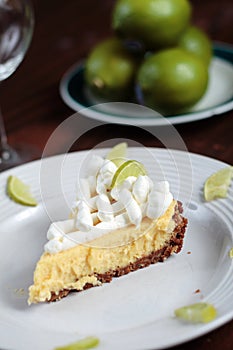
(197, 313)
(118, 153)
(216, 186)
(86, 343)
(172, 80)
(153, 23)
(19, 191)
(110, 70)
(197, 42)
(128, 168)
(231, 253)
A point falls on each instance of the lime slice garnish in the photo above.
(118, 153)
(128, 168)
(197, 313)
(216, 186)
(231, 253)
(19, 192)
(86, 343)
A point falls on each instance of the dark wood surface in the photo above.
(65, 32)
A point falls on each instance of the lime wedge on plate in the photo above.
(216, 186)
(86, 343)
(118, 153)
(197, 313)
(231, 253)
(128, 168)
(19, 192)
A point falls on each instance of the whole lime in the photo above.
(153, 23)
(110, 70)
(196, 41)
(172, 80)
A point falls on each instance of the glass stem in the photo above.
(4, 148)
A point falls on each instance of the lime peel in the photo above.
(197, 313)
(83, 344)
(19, 192)
(217, 185)
(128, 168)
(117, 154)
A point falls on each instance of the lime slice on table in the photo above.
(118, 153)
(86, 343)
(197, 313)
(216, 186)
(19, 191)
(128, 168)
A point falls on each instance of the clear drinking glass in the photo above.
(16, 28)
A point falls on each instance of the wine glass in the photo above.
(16, 28)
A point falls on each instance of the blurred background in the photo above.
(65, 32)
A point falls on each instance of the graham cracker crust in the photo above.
(173, 246)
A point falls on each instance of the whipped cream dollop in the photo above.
(98, 209)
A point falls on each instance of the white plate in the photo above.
(218, 98)
(135, 311)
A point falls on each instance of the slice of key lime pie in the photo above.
(121, 221)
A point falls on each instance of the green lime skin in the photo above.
(155, 24)
(110, 70)
(197, 42)
(172, 80)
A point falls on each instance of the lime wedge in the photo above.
(216, 186)
(118, 153)
(231, 253)
(86, 343)
(128, 168)
(197, 313)
(19, 192)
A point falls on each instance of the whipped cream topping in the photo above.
(98, 209)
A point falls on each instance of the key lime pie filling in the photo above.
(121, 221)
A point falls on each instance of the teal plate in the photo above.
(217, 100)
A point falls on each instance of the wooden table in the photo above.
(65, 32)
